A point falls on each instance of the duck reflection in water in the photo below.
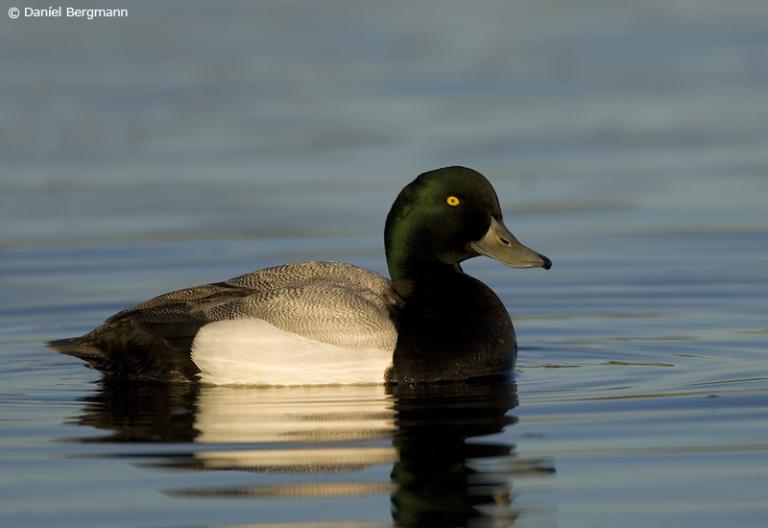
(446, 470)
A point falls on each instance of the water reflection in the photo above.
(437, 484)
(141, 413)
(425, 447)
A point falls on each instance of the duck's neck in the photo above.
(412, 274)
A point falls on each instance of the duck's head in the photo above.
(449, 215)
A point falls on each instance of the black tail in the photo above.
(75, 346)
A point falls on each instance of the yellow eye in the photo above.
(452, 201)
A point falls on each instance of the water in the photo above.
(191, 143)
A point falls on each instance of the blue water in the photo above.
(193, 142)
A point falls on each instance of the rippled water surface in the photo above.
(191, 143)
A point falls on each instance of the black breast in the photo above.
(453, 328)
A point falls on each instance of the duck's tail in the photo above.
(78, 347)
(122, 351)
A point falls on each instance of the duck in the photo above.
(321, 323)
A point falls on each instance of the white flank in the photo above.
(254, 352)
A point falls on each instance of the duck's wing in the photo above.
(334, 303)
(331, 302)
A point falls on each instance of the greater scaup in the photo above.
(325, 322)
